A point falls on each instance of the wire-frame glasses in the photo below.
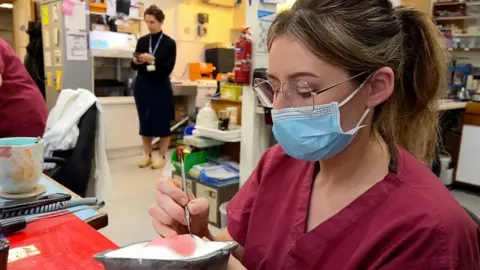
(297, 93)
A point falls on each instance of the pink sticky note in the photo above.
(67, 9)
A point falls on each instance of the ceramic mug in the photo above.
(21, 164)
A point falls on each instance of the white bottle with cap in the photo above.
(207, 117)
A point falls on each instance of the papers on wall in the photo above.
(78, 18)
(76, 45)
(45, 15)
(55, 36)
(67, 7)
(47, 59)
(57, 56)
(265, 19)
(55, 13)
(58, 80)
(46, 38)
(49, 79)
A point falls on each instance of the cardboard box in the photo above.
(181, 111)
(128, 26)
(100, 27)
(137, 25)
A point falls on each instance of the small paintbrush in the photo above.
(181, 152)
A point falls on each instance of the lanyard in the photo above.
(156, 46)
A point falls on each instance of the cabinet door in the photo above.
(468, 170)
(212, 196)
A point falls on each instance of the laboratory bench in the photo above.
(51, 242)
(460, 137)
(121, 119)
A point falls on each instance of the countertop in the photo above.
(179, 89)
(450, 104)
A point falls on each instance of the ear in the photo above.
(382, 85)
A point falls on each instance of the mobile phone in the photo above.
(18, 205)
(136, 54)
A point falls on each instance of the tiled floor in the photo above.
(134, 190)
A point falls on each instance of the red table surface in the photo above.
(65, 242)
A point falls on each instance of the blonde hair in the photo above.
(362, 35)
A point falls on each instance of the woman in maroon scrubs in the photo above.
(347, 187)
(23, 111)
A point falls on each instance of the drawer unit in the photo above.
(191, 187)
(216, 196)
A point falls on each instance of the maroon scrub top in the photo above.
(23, 111)
(407, 221)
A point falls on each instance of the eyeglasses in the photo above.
(297, 93)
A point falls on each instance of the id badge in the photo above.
(151, 68)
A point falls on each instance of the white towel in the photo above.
(62, 134)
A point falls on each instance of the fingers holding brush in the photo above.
(171, 189)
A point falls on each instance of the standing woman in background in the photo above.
(154, 60)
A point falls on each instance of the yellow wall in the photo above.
(181, 24)
(11, 23)
(181, 20)
(424, 5)
(219, 25)
(288, 4)
(6, 25)
(168, 7)
(21, 16)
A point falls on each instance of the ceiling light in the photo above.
(6, 5)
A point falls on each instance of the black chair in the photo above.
(75, 167)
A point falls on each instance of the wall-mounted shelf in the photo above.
(456, 18)
(459, 22)
(475, 3)
(464, 49)
(447, 4)
(465, 35)
(111, 53)
(102, 14)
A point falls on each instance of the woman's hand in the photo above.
(146, 57)
(136, 61)
(168, 211)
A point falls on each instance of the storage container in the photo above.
(231, 92)
(193, 158)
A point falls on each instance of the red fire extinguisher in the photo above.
(243, 58)
(242, 72)
(243, 46)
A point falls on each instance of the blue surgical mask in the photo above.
(313, 135)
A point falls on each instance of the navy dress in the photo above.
(153, 91)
